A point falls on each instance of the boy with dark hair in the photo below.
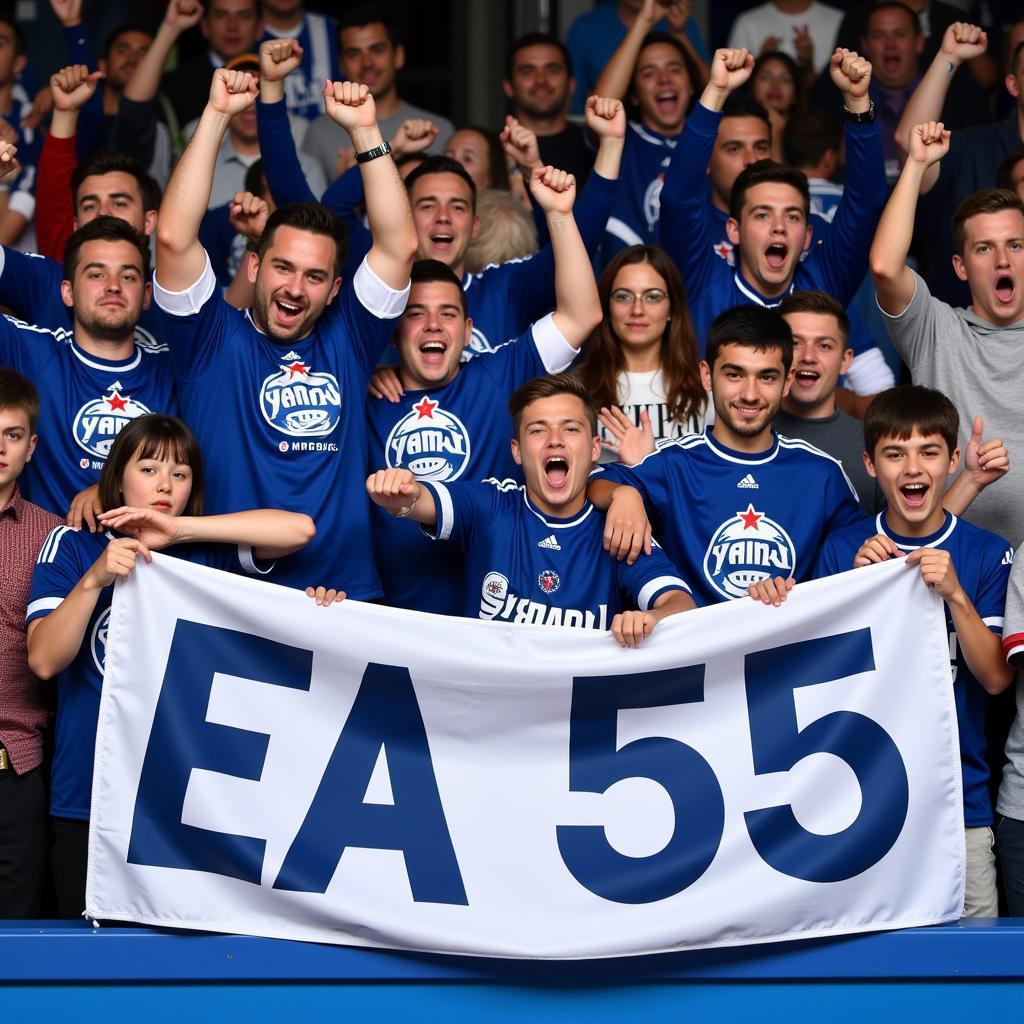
(23, 711)
(533, 555)
(972, 355)
(694, 488)
(811, 142)
(910, 440)
(96, 377)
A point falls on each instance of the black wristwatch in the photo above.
(864, 117)
(382, 150)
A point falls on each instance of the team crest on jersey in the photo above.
(430, 442)
(652, 201)
(146, 341)
(98, 641)
(300, 402)
(746, 549)
(478, 345)
(100, 421)
(493, 592)
(548, 581)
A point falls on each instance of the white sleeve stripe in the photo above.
(3, 259)
(1014, 651)
(653, 588)
(993, 620)
(48, 551)
(555, 352)
(43, 604)
(376, 295)
(620, 229)
(247, 560)
(445, 513)
(869, 373)
(192, 299)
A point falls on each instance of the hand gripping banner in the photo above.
(361, 775)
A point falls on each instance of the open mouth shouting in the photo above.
(775, 255)
(1005, 289)
(914, 495)
(433, 352)
(442, 242)
(288, 312)
(667, 102)
(556, 471)
(806, 378)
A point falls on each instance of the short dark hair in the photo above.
(988, 200)
(536, 39)
(761, 172)
(893, 5)
(430, 271)
(153, 436)
(18, 392)
(109, 161)
(753, 327)
(901, 410)
(254, 180)
(742, 103)
(16, 31)
(547, 387)
(441, 165)
(123, 29)
(821, 304)
(809, 136)
(312, 217)
(103, 229)
(1004, 177)
(361, 15)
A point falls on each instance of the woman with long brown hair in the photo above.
(641, 364)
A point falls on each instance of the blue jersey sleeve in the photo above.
(30, 287)
(59, 567)
(25, 347)
(281, 165)
(465, 511)
(841, 503)
(648, 477)
(836, 555)
(194, 323)
(648, 578)
(842, 258)
(540, 351)
(687, 218)
(344, 197)
(217, 236)
(993, 578)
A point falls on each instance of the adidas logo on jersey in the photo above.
(549, 544)
(749, 482)
(1008, 557)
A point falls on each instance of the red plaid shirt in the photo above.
(23, 713)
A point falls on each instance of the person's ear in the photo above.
(516, 454)
(958, 266)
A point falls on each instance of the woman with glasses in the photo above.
(641, 365)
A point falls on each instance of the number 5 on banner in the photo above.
(771, 678)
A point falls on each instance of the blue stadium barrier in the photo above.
(52, 971)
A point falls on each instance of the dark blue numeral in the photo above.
(771, 678)
(595, 765)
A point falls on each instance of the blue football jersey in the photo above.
(30, 288)
(690, 230)
(284, 425)
(635, 213)
(65, 557)
(729, 519)
(84, 402)
(525, 567)
(982, 561)
(304, 87)
(459, 431)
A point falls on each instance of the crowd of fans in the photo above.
(632, 351)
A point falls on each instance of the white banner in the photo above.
(382, 778)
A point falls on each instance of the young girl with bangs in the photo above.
(152, 491)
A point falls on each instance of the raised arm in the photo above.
(180, 258)
(618, 72)
(391, 255)
(180, 16)
(577, 304)
(960, 42)
(894, 280)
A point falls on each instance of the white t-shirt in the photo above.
(646, 391)
(751, 28)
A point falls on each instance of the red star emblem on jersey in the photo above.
(297, 368)
(115, 401)
(750, 518)
(425, 409)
